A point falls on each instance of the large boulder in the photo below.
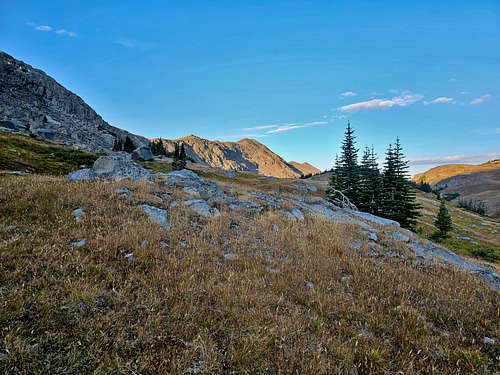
(194, 184)
(116, 166)
(142, 154)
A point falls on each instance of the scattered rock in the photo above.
(144, 243)
(196, 185)
(18, 173)
(230, 256)
(371, 236)
(157, 215)
(275, 227)
(13, 150)
(123, 190)
(274, 270)
(81, 174)
(294, 214)
(309, 285)
(164, 244)
(346, 278)
(78, 214)
(484, 224)
(304, 187)
(473, 226)
(463, 238)
(142, 153)
(474, 242)
(129, 255)
(81, 242)
(202, 208)
(490, 341)
(400, 237)
(355, 245)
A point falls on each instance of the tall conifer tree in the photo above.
(347, 170)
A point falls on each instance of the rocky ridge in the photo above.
(31, 102)
(245, 155)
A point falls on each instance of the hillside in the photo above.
(305, 168)
(31, 102)
(439, 173)
(244, 275)
(246, 155)
(471, 182)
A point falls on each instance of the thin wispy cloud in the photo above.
(265, 130)
(132, 43)
(442, 99)
(400, 101)
(66, 32)
(50, 28)
(240, 136)
(482, 99)
(43, 28)
(348, 93)
(454, 159)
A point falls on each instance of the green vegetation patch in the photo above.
(21, 152)
(157, 166)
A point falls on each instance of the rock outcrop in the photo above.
(116, 166)
(305, 168)
(31, 102)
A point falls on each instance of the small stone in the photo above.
(275, 227)
(123, 190)
(230, 256)
(346, 278)
(157, 215)
(81, 242)
(11, 227)
(18, 173)
(164, 244)
(78, 214)
(130, 256)
(355, 245)
(274, 270)
(174, 204)
(484, 224)
(309, 285)
(474, 242)
(463, 238)
(490, 341)
(144, 243)
(372, 236)
(12, 150)
(160, 200)
(473, 226)
(400, 237)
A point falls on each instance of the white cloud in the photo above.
(66, 32)
(482, 99)
(240, 136)
(454, 159)
(441, 99)
(348, 93)
(402, 101)
(43, 28)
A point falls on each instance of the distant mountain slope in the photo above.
(480, 182)
(244, 155)
(436, 174)
(34, 103)
(305, 168)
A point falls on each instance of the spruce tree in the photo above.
(398, 199)
(346, 170)
(370, 185)
(176, 152)
(128, 146)
(182, 154)
(443, 220)
(118, 145)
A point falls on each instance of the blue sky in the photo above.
(287, 73)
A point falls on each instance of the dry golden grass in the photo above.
(185, 308)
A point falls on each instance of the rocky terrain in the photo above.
(31, 102)
(245, 155)
(471, 182)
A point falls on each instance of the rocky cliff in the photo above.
(244, 155)
(31, 102)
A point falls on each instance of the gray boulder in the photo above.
(202, 208)
(142, 153)
(116, 166)
(158, 215)
(194, 184)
